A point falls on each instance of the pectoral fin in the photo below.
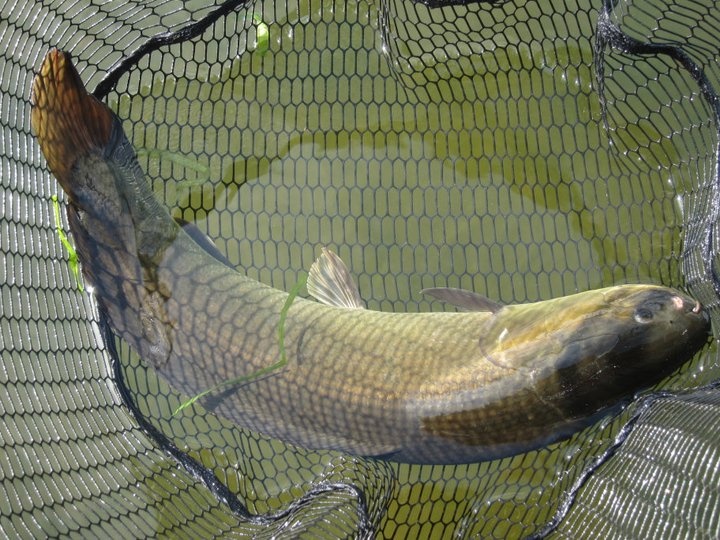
(330, 282)
(466, 300)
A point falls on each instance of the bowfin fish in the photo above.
(436, 387)
(330, 282)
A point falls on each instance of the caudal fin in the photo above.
(68, 122)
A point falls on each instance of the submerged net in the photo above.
(524, 150)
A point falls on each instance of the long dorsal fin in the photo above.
(330, 282)
(463, 299)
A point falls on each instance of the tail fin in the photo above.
(68, 122)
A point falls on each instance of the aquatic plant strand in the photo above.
(263, 34)
(72, 255)
(264, 371)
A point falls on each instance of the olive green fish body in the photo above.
(421, 387)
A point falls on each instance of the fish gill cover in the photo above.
(522, 150)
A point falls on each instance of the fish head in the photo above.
(655, 324)
(635, 336)
(609, 345)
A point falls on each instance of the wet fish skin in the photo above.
(416, 387)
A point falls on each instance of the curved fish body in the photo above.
(416, 387)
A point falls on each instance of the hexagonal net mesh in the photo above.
(524, 150)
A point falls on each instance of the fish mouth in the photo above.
(682, 304)
(689, 306)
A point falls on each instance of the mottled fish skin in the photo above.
(417, 387)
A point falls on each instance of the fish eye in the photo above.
(643, 315)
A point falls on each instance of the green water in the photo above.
(499, 182)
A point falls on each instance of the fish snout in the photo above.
(686, 304)
(670, 306)
(690, 307)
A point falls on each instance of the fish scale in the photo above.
(416, 387)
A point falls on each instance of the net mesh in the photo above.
(525, 150)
